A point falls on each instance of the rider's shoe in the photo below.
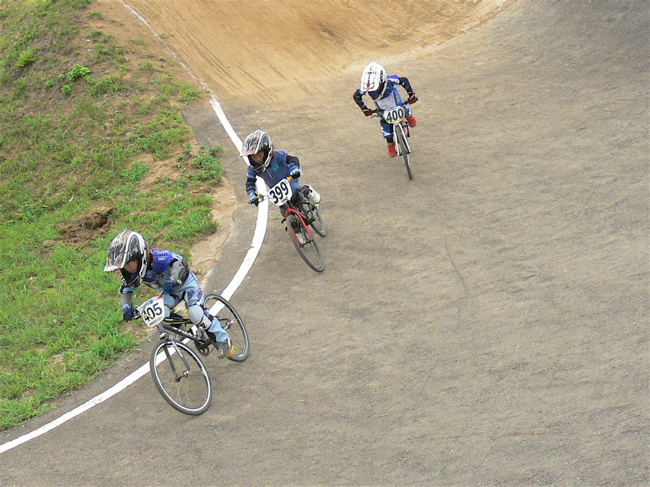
(412, 121)
(312, 195)
(225, 349)
(392, 152)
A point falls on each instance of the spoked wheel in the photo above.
(304, 243)
(404, 148)
(232, 323)
(180, 377)
(314, 218)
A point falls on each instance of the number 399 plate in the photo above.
(152, 311)
(280, 193)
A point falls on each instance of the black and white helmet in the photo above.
(255, 142)
(373, 79)
(128, 245)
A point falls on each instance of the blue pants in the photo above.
(190, 292)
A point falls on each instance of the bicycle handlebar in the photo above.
(378, 111)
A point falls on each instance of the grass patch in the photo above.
(80, 116)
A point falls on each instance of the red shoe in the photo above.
(412, 121)
(392, 152)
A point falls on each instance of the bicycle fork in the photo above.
(177, 377)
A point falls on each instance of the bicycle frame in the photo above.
(165, 326)
(396, 117)
(399, 131)
(291, 209)
(302, 238)
(171, 362)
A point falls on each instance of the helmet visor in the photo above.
(117, 253)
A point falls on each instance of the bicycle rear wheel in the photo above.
(305, 245)
(181, 377)
(404, 148)
(312, 215)
(232, 323)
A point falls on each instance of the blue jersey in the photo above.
(165, 266)
(280, 167)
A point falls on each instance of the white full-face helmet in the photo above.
(373, 79)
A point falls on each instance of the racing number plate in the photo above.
(280, 193)
(394, 115)
(152, 311)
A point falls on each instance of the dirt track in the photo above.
(483, 324)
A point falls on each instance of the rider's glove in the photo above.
(252, 199)
(127, 312)
(412, 99)
(366, 111)
(295, 173)
(168, 287)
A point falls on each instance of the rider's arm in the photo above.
(404, 82)
(251, 178)
(126, 290)
(180, 269)
(293, 162)
(130, 282)
(126, 297)
(358, 99)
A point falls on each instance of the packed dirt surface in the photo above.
(483, 324)
(270, 52)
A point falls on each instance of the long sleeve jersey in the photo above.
(280, 167)
(163, 267)
(391, 97)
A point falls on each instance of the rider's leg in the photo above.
(387, 132)
(170, 303)
(311, 194)
(410, 118)
(305, 192)
(194, 298)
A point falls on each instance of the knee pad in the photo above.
(196, 314)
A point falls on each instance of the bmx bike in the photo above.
(396, 116)
(176, 369)
(299, 218)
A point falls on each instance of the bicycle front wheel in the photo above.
(304, 243)
(180, 377)
(404, 148)
(232, 324)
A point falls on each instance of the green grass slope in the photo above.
(83, 122)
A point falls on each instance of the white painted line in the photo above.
(77, 411)
(251, 255)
